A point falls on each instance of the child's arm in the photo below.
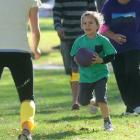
(108, 58)
(98, 60)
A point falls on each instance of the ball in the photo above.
(84, 57)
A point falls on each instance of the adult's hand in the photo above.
(60, 33)
(37, 54)
(119, 38)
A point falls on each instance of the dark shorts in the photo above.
(20, 66)
(88, 89)
(69, 63)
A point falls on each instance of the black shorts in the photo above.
(20, 66)
(87, 90)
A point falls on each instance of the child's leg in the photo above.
(85, 93)
(106, 117)
(104, 109)
(100, 91)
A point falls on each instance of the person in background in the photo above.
(99, 4)
(66, 16)
(122, 26)
(16, 54)
(94, 77)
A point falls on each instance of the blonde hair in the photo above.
(96, 15)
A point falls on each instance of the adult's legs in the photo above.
(74, 75)
(75, 93)
(127, 73)
(119, 68)
(22, 73)
(133, 77)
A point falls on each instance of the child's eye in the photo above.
(85, 23)
(90, 22)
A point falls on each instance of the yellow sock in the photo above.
(27, 112)
(74, 76)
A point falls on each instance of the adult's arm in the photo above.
(105, 28)
(119, 38)
(99, 4)
(35, 31)
(91, 5)
(58, 17)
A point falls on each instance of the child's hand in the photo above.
(97, 59)
(60, 33)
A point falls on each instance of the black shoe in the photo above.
(75, 107)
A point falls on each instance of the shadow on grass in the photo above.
(64, 134)
(75, 118)
(55, 136)
(50, 107)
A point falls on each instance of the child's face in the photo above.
(89, 26)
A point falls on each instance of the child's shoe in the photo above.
(108, 126)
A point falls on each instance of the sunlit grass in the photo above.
(54, 118)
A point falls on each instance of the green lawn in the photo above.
(55, 120)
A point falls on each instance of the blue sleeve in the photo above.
(106, 11)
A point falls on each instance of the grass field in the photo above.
(55, 120)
